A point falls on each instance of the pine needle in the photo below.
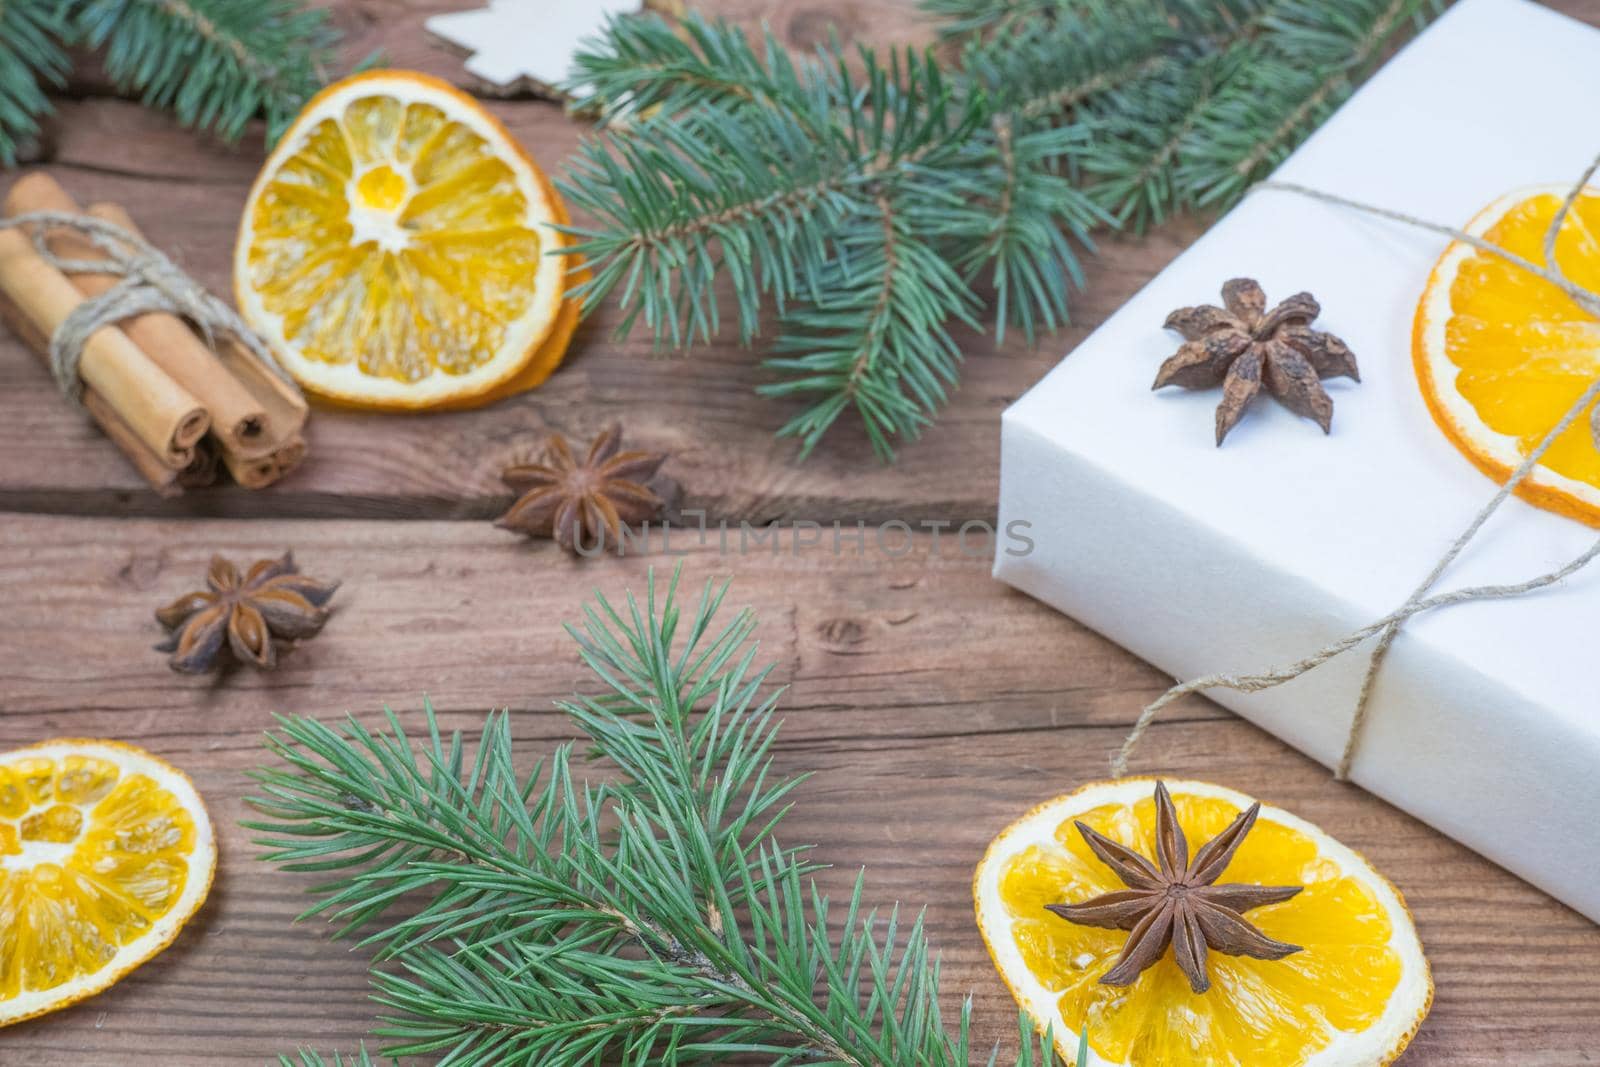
(215, 64)
(649, 918)
(857, 203)
(31, 59)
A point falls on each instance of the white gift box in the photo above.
(1485, 720)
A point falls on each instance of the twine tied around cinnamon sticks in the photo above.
(151, 282)
(1387, 627)
(165, 370)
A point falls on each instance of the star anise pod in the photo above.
(1242, 345)
(1176, 902)
(583, 506)
(253, 615)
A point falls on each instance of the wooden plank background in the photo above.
(933, 704)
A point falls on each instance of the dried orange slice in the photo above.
(105, 853)
(395, 250)
(1501, 355)
(1352, 997)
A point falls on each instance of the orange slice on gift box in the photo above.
(1353, 996)
(1501, 354)
(395, 250)
(105, 853)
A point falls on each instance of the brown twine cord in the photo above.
(1419, 601)
(151, 282)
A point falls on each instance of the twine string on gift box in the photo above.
(151, 282)
(1420, 601)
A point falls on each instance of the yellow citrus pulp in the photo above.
(1352, 997)
(105, 852)
(1501, 354)
(395, 250)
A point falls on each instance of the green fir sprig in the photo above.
(648, 915)
(870, 205)
(858, 206)
(1184, 103)
(215, 64)
(309, 1058)
(31, 59)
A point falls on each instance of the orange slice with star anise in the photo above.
(1341, 980)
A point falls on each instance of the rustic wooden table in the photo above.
(933, 704)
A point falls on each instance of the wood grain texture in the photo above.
(933, 705)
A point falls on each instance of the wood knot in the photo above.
(141, 570)
(842, 635)
(812, 27)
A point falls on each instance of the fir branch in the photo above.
(1130, 165)
(858, 208)
(652, 918)
(31, 58)
(1182, 103)
(216, 64)
(1021, 235)
(648, 64)
(1319, 54)
(307, 1058)
(877, 338)
(965, 18)
(684, 201)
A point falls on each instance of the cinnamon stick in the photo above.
(169, 342)
(281, 448)
(165, 480)
(289, 457)
(152, 467)
(251, 473)
(283, 407)
(202, 470)
(159, 412)
(282, 400)
(260, 473)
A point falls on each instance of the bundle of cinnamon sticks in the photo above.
(178, 409)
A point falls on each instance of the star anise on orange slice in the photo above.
(1242, 346)
(253, 615)
(1175, 902)
(584, 505)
